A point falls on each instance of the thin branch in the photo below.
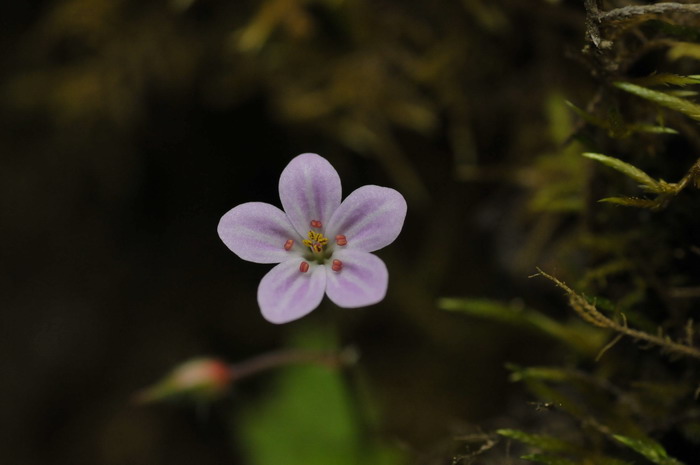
(644, 12)
(595, 18)
(590, 313)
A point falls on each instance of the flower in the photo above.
(320, 244)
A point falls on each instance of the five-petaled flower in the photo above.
(320, 244)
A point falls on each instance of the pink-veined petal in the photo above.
(370, 218)
(309, 190)
(257, 232)
(362, 281)
(286, 294)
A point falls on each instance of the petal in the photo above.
(257, 232)
(362, 281)
(309, 190)
(286, 294)
(370, 218)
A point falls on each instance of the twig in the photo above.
(590, 313)
(627, 13)
(595, 18)
(592, 21)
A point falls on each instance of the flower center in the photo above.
(318, 250)
(316, 242)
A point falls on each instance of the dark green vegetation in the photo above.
(549, 153)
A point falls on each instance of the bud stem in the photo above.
(275, 359)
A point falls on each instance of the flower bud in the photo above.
(198, 379)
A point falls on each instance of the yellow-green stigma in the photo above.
(316, 242)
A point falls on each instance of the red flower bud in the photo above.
(200, 378)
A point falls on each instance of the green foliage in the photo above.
(645, 181)
(311, 418)
(663, 189)
(537, 373)
(540, 441)
(578, 337)
(663, 99)
(650, 449)
(666, 79)
(563, 449)
(616, 128)
(557, 171)
(588, 312)
(595, 410)
(621, 260)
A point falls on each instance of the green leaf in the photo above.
(539, 373)
(582, 338)
(631, 202)
(486, 308)
(649, 129)
(617, 128)
(666, 79)
(645, 181)
(682, 93)
(649, 448)
(541, 441)
(686, 107)
(308, 417)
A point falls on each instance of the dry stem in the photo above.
(590, 313)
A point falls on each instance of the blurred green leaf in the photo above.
(666, 79)
(539, 373)
(310, 418)
(557, 197)
(582, 338)
(682, 93)
(617, 128)
(541, 441)
(684, 49)
(649, 448)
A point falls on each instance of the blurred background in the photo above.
(128, 128)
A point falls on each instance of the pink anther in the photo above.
(288, 245)
(304, 267)
(316, 224)
(341, 240)
(337, 265)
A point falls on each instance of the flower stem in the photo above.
(270, 360)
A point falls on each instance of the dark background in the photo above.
(128, 128)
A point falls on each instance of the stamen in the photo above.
(341, 240)
(316, 224)
(304, 267)
(316, 241)
(288, 245)
(337, 265)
